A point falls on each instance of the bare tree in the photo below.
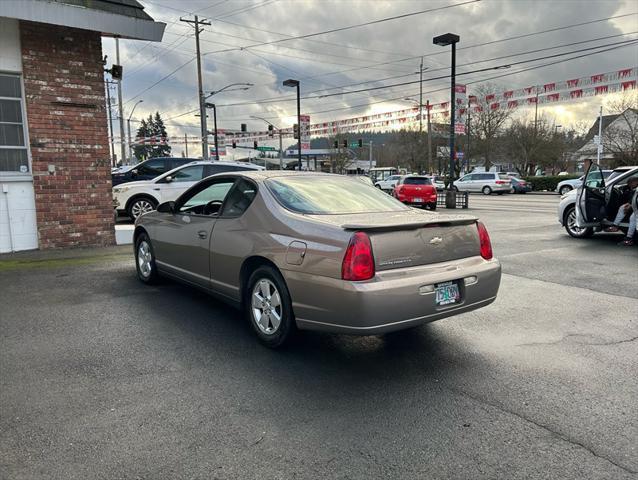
(621, 136)
(487, 124)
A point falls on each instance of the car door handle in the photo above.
(202, 234)
(156, 188)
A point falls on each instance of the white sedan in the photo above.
(388, 184)
(137, 198)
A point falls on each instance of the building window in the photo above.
(13, 146)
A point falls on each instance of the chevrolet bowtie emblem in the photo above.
(436, 240)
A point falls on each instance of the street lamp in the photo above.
(244, 86)
(281, 152)
(444, 41)
(295, 83)
(128, 123)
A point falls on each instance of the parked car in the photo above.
(486, 182)
(388, 184)
(137, 198)
(148, 169)
(573, 183)
(593, 206)
(416, 190)
(520, 186)
(294, 254)
(438, 181)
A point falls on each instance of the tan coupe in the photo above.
(317, 251)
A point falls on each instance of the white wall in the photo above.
(18, 225)
(17, 217)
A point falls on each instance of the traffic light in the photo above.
(295, 131)
(336, 144)
(360, 143)
(271, 132)
(243, 127)
(234, 144)
(345, 144)
(255, 144)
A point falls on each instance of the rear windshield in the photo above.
(503, 176)
(323, 194)
(416, 181)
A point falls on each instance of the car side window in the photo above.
(208, 200)
(239, 198)
(594, 177)
(486, 176)
(189, 174)
(152, 167)
(213, 169)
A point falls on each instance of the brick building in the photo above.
(55, 173)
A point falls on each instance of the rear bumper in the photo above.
(394, 300)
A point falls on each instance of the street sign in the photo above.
(266, 149)
(354, 145)
(596, 140)
(305, 132)
(459, 155)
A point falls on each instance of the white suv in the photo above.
(137, 198)
(388, 184)
(486, 182)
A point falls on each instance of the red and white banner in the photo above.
(304, 132)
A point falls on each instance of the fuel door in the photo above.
(295, 253)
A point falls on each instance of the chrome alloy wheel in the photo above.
(144, 258)
(140, 207)
(266, 306)
(571, 223)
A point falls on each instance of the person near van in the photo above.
(625, 204)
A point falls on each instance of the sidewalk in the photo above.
(63, 257)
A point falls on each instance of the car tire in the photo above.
(432, 206)
(455, 188)
(569, 221)
(139, 206)
(378, 186)
(486, 190)
(565, 189)
(145, 260)
(269, 308)
(500, 193)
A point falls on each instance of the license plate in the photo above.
(447, 293)
(418, 200)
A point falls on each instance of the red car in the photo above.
(416, 190)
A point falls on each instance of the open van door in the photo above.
(590, 207)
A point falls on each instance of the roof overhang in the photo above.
(108, 24)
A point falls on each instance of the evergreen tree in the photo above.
(159, 131)
(142, 151)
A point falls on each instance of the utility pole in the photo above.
(421, 97)
(200, 92)
(110, 113)
(467, 150)
(429, 136)
(121, 108)
(370, 167)
(186, 143)
(599, 147)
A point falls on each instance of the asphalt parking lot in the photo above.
(103, 377)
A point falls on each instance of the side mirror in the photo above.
(168, 179)
(166, 207)
(134, 172)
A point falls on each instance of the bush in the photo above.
(547, 183)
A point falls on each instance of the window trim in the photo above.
(7, 175)
(207, 182)
(232, 189)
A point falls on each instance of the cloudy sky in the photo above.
(366, 56)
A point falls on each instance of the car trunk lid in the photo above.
(412, 237)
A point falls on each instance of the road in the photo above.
(103, 377)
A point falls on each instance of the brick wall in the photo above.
(66, 112)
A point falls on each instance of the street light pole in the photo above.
(295, 83)
(128, 124)
(421, 98)
(445, 40)
(245, 86)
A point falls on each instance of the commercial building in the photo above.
(55, 173)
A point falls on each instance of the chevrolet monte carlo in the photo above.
(319, 252)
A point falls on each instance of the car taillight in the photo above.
(486, 244)
(501, 182)
(358, 262)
